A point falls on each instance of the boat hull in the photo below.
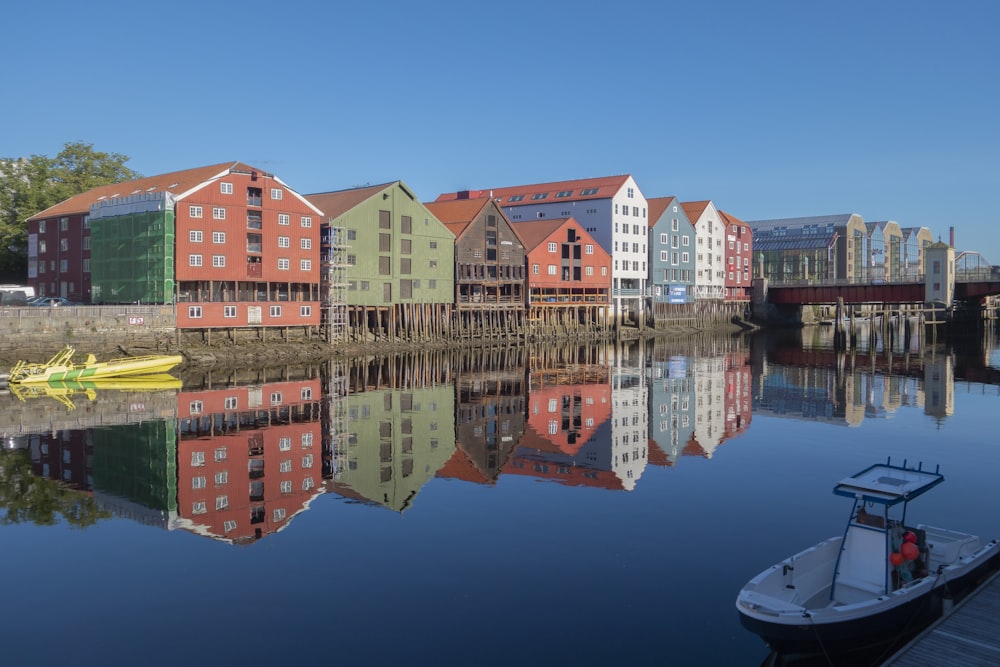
(891, 619)
(117, 368)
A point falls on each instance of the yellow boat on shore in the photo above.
(61, 368)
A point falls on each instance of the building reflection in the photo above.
(400, 429)
(248, 458)
(237, 457)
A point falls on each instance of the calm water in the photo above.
(595, 506)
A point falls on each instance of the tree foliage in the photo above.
(31, 185)
(25, 498)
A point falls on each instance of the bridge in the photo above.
(968, 290)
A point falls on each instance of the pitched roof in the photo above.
(457, 214)
(732, 219)
(603, 187)
(175, 182)
(534, 232)
(657, 206)
(338, 202)
(694, 209)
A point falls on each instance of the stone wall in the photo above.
(31, 332)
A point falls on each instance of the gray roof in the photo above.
(816, 220)
(771, 244)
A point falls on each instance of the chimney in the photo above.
(951, 236)
(462, 194)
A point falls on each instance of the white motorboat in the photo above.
(878, 581)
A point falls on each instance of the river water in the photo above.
(588, 505)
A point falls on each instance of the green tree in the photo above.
(25, 498)
(28, 186)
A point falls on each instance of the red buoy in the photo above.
(896, 558)
(909, 551)
(910, 536)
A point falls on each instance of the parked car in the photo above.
(53, 301)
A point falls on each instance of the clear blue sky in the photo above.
(771, 109)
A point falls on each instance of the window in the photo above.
(284, 219)
(275, 193)
(685, 257)
(534, 269)
(305, 265)
(285, 466)
(195, 407)
(194, 236)
(552, 269)
(352, 260)
(352, 234)
(563, 193)
(283, 264)
(218, 237)
(284, 444)
(194, 312)
(193, 211)
(226, 188)
(307, 461)
(218, 261)
(306, 221)
(197, 458)
(433, 245)
(41, 226)
(539, 195)
(221, 503)
(514, 198)
(305, 311)
(218, 213)
(588, 249)
(229, 311)
(588, 191)
(283, 242)
(384, 220)
(275, 311)
(194, 260)
(306, 394)
(306, 244)
(222, 477)
(276, 398)
(198, 507)
(197, 482)
(286, 486)
(588, 271)
(220, 453)
(553, 247)
(406, 224)
(604, 271)
(663, 255)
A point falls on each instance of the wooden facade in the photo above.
(400, 263)
(569, 279)
(737, 247)
(489, 268)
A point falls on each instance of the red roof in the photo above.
(732, 219)
(657, 206)
(535, 232)
(603, 187)
(694, 209)
(457, 214)
(175, 182)
(338, 202)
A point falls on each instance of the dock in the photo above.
(969, 635)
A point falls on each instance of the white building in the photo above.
(709, 256)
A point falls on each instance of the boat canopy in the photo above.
(887, 484)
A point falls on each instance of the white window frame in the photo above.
(226, 188)
(305, 311)
(306, 221)
(284, 219)
(218, 237)
(553, 246)
(195, 211)
(284, 242)
(305, 265)
(274, 311)
(229, 311)
(218, 213)
(219, 261)
(194, 312)
(305, 243)
(276, 193)
(195, 260)
(196, 236)
(283, 264)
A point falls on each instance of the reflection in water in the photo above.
(235, 456)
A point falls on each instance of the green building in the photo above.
(400, 262)
(398, 439)
(132, 249)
